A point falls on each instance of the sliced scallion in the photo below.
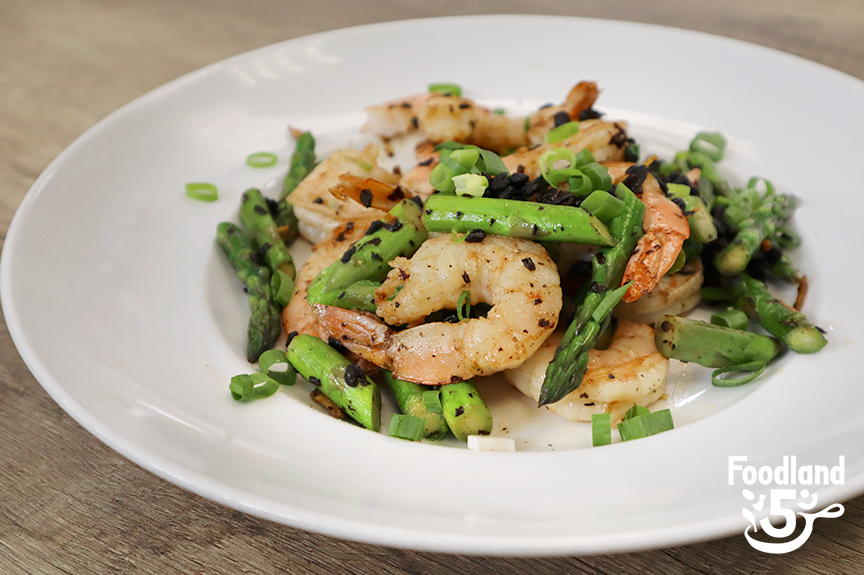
(202, 191)
(246, 387)
(711, 144)
(678, 190)
(750, 372)
(562, 132)
(432, 401)
(408, 427)
(261, 160)
(603, 205)
(549, 158)
(441, 178)
(761, 185)
(463, 303)
(274, 364)
(734, 318)
(599, 174)
(470, 184)
(584, 157)
(282, 291)
(645, 425)
(601, 429)
(580, 184)
(466, 157)
(446, 88)
(636, 411)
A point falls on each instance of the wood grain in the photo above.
(68, 504)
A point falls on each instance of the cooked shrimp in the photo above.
(317, 210)
(500, 132)
(674, 294)
(630, 372)
(606, 140)
(395, 117)
(417, 178)
(665, 228)
(517, 277)
(298, 315)
(441, 117)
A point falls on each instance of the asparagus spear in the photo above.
(712, 345)
(265, 325)
(302, 162)
(733, 259)
(265, 234)
(780, 320)
(465, 411)
(359, 295)
(368, 258)
(568, 366)
(409, 397)
(516, 219)
(337, 378)
(285, 220)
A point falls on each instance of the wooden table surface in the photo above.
(68, 504)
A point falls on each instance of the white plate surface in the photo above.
(123, 308)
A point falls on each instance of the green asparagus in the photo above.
(265, 235)
(265, 325)
(516, 219)
(568, 366)
(337, 378)
(465, 411)
(409, 397)
(359, 295)
(760, 225)
(712, 345)
(302, 162)
(369, 257)
(783, 322)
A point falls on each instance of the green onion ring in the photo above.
(246, 387)
(562, 132)
(273, 357)
(464, 301)
(202, 191)
(408, 427)
(733, 318)
(601, 429)
(446, 89)
(261, 160)
(432, 401)
(711, 144)
(754, 367)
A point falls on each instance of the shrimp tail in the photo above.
(361, 333)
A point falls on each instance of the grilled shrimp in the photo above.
(606, 140)
(517, 277)
(674, 294)
(630, 372)
(665, 227)
(298, 315)
(319, 211)
(441, 117)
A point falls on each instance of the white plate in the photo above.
(123, 308)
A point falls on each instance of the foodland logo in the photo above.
(789, 475)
